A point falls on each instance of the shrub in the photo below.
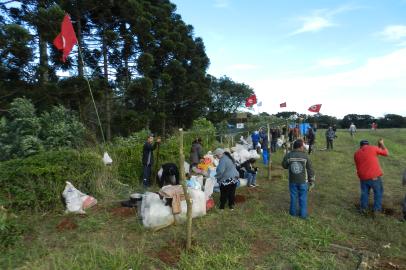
(61, 128)
(37, 182)
(11, 230)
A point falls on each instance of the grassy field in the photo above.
(259, 234)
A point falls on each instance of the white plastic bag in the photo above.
(73, 199)
(243, 182)
(154, 212)
(199, 202)
(107, 159)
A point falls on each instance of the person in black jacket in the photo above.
(310, 139)
(168, 175)
(250, 172)
(148, 159)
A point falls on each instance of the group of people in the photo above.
(301, 174)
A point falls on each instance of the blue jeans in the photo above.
(298, 190)
(377, 187)
(251, 178)
(265, 155)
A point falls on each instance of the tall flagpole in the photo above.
(91, 94)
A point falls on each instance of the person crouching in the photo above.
(250, 172)
(227, 177)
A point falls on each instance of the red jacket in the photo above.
(367, 163)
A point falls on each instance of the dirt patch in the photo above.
(240, 198)
(123, 212)
(66, 224)
(391, 264)
(170, 253)
(276, 177)
(386, 209)
(260, 248)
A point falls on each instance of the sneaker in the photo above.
(249, 185)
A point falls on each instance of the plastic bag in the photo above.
(76, 201)
(107, 159)
(194, 183)
(243, 182)
(199, 202)
(154, 212)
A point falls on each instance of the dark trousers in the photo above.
(404, 208)
(273, 146)
(146, 175)
(227, 193)
(310, 148)
(329, 144)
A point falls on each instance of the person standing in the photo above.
(264, 146)
(148, 159)
(330, 136)
(255, 139)
(227, 177)
(274, 139)
(301, 177)
(310, 139)
(370, 173)
(196, 152)
(352, 130)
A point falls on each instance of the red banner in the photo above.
(66, 39)
(282, 105)
(250, 101)
(315, 108)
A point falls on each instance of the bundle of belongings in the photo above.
(169, 205)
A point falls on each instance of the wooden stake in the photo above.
(187, 196)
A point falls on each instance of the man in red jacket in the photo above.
(370, 173)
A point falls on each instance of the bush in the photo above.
(25, 134)
(37, 182)
(11, 230)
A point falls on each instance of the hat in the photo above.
(363, 142)
(218, 152)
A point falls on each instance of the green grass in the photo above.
(259, 234)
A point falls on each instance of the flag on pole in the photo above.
(250, 101)
(66, 39)
(282, 105)
(259, 104)
(315, 108)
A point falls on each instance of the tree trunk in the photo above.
(79, 37)
(108, 91)
(43, 60)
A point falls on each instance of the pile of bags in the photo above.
(156, 214)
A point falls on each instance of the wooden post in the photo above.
(269, 154)
(187, 196)
(155, 172)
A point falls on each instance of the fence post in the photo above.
(187, 196)
(269, 155)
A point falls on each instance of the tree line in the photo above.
(145, 65)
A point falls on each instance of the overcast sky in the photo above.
(349, 56)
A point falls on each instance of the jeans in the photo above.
(146, 175)
(265, 155)
(298, 190)
(251, 178)
(377, 187)
(227, 193)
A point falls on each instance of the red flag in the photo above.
(66, 39)
(282, 105)
(315, 108)
(251, 101)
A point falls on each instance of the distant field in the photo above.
(259, 234)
